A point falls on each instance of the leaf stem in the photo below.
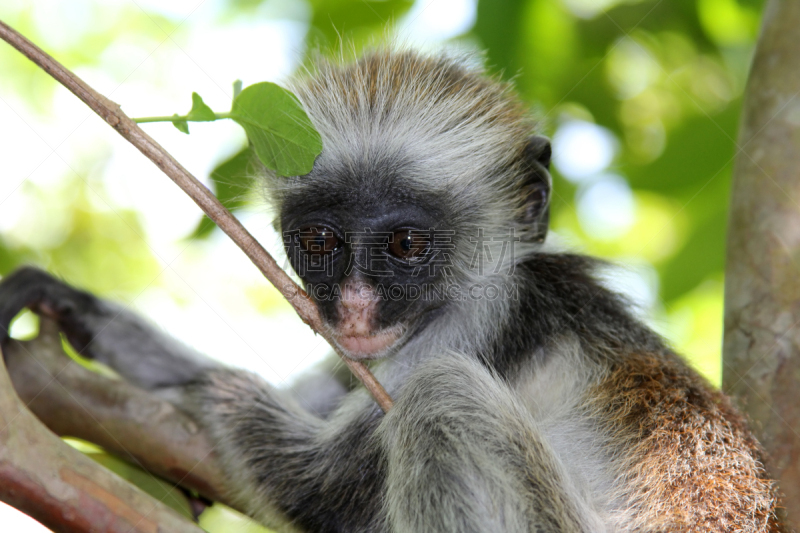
(143, 120)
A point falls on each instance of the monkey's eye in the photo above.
(318, 240)
(409, 245)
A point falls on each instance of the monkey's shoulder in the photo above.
(681, 443)
(652, 443)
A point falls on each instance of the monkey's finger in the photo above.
(35, 289)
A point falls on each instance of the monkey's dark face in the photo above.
(372, 256)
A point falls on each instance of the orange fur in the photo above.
(686, 455)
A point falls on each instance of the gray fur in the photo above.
(157, 360)
(465, 455)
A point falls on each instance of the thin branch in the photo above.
(59, 486)
(113, 115)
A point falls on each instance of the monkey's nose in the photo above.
(358, 296)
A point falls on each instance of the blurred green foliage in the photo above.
(664, 78)
(667, 79)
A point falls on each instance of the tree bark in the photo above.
(125, 420)
(762, 286)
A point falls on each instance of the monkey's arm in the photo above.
(151, 360)
(321, 475)
(101, 330)
(114, 335)
(465, 455)
(455, 454)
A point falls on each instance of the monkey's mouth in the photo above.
(369, 346)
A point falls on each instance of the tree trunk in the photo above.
(762, 285)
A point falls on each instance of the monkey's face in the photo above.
(374, 259)
(379, 248)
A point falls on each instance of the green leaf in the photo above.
(200, 112)
(237, 88)
(278, 128)
(232, 179)
(180, 123)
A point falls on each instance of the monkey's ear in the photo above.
(535, 191)
(538, 150)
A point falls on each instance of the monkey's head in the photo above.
(429, 184)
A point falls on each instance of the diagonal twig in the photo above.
(125, 126)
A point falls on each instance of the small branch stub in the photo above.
(59, 486)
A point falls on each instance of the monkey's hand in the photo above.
(43, 294)
(101, 330)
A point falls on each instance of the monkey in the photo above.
(527, 395)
